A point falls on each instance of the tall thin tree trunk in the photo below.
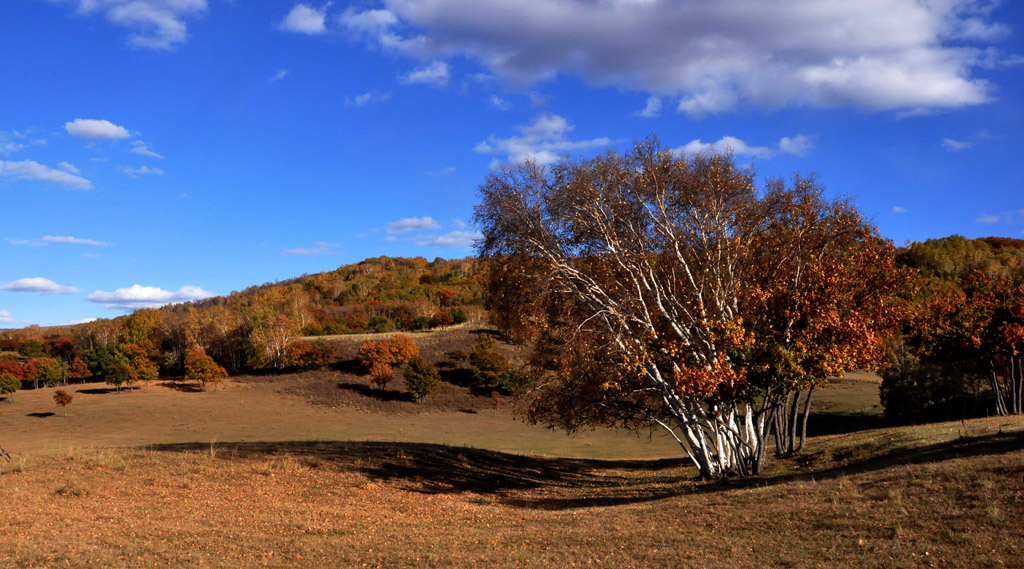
(997, 393)
(803, 419)
(794, 415)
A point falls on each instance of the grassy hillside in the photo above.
(316, 469)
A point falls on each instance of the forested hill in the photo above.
(256, 328)
(955, 256)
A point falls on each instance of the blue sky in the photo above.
(156, 151)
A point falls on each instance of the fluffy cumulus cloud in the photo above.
(96, 129)
(988, 219)
(545, 141)
(798, 145)
(434, 74)
(453, 239)
(712, 57)
(39, 285)
(31, 170)
(138, 296)
(5, 317)
(653, 108)
(410, 224)
(154, 24)
(305, 19)
(898, 209)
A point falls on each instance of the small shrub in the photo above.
(511, 380)
(487, 363)
(402, 348)
(421, 378)
(9, 384)
(459, 316)
(441, 319)
(306, 355)
(420, 323)
(380, 374)
(381, 324)
(63, 399)
(202, 368)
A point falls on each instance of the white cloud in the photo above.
(367, 98)
(96, 129)
(37, 284)
(17, 241)
(435, 74)
(155, 24)
(7, 148)
(281, 74)
(367, 21)
(955, 145)
(68, 167)
(5, 317)
(899, 209)
(143, 171)
(727, 144)
(714, 56)
(305, 19)
(458, 223)
(653, 108)
(499, 103)
(138, 296)
(546, 140)
(453, 239)
(34, 171)
(140, 148)
(73, 240)
(321, 248)
(798, 145)
(82, 321)
(409, 224)
(988, 219)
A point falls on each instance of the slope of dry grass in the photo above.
(262, 473)
(912, 497)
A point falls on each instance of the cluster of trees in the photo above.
(259, 328)
(379, 358)
(959, 352)
(665, 289)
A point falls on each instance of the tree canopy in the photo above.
(668, 289)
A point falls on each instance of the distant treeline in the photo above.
(960, 351)
(258, 328)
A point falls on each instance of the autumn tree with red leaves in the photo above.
(666, 289)
(378, 357)
(63, 399)
(201, 367)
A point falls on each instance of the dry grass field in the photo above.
(312, 470)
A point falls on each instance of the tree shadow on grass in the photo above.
(99, 390)
(518, 480)
(842, 423)
(545, 483)
(380, 394)
(182, 386)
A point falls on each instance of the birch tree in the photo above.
(666, 289)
